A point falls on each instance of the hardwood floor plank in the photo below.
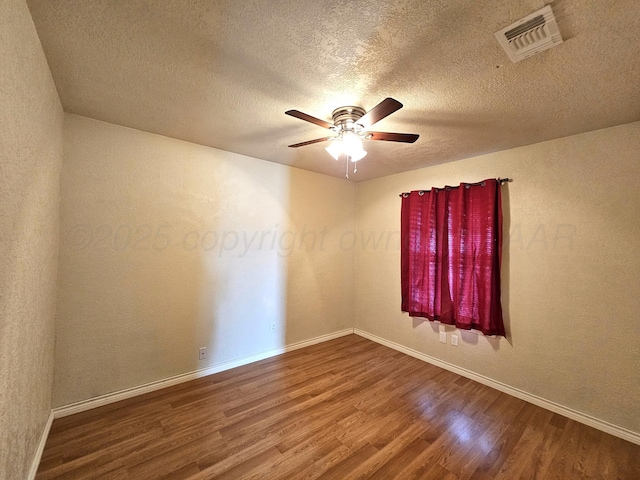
(369, 466)
(320, 466)
(156, 462)
(297, 458)
(328, 418)
(87, 465)
(344, 409)
(185, 471)
(239, 469)
(353, 461)
(397, 463)
(524, 457)
(188, 445)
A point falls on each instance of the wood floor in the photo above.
(348, 408)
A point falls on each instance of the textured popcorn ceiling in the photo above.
(223, 73)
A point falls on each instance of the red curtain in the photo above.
(451, 255)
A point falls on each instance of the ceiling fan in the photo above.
(351, 125)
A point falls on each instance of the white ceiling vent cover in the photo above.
(530, 35)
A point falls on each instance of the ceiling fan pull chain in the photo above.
(347, 174)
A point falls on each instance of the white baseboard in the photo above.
(185, 377)
(625, 434)
(38, 455)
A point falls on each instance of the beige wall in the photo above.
(571, 271)
(134, 309)
(169, 246)
(30, 158)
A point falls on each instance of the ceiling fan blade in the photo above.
(308, 118)
(393, 137)
(302, 144)
(377, 113)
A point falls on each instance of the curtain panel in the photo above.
(451, 254)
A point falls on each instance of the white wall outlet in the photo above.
(202, 353)
(443, 337)
(454, 340)
(273, 327)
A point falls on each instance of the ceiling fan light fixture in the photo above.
(351, 141)
(335, 148)
(353, 146)
(347, 143)
(357, 155)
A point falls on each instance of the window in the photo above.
(451, 255)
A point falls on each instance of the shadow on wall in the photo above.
(167, 247)
(233, 294)
(319, 263)
(223, 286)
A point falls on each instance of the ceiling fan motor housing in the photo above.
(344, 118)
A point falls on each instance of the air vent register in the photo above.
(532, 34)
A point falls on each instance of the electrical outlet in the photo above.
(443, 337)
(202, 353)
(273, 327)
(454, 340)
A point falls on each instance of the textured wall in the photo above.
(30, 156)
(169, 246)
(571, 271)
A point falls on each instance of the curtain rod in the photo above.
(501, 180)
